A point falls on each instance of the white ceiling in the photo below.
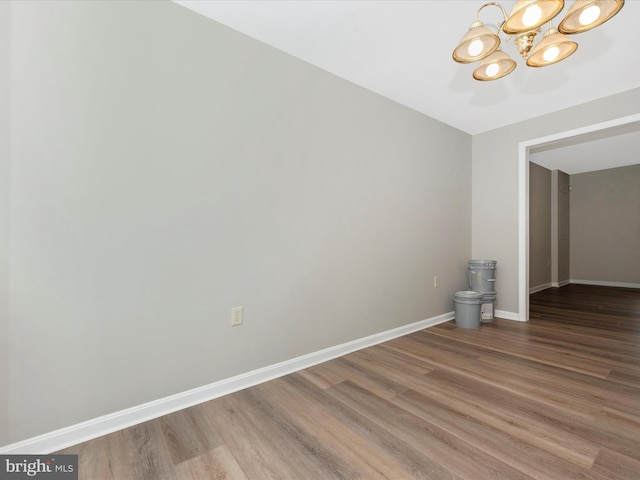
(611, 148)
(402, 50)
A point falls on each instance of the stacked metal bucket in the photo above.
(477, 305)
(482, 279)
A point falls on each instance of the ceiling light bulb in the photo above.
(492, 70)
(532, 15)
(589, 15)
(475, 47)
(551, 53)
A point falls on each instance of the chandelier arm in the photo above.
(494, 4)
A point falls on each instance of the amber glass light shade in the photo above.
(528, 15)
(495, 66)
(553, 48)
(476, 44)
(584, 15)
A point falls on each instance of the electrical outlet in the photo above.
(436, 281)
(236, 316)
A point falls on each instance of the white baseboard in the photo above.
(544, 286)
(606, 284)
(539, 288)
(97, 427)
(508, 315)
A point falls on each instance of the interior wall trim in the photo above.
(603, 283)
(509, 315)
(97, 427)
(539, 288)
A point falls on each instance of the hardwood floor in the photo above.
(555, 398)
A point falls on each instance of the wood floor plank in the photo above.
(265, 443)
(189, 433)
(503, 377)
(218, 464)
(148, 455)
(404, 459)
(339, 427)
(616, 465)
(625, 376)
(527, 349)
(508, 413)
(428, 446)
(556, 398)
(105, 458)
(538, 463)
(369, 377)
(618, 431)
(324, 375)
(591, 392)
(391, 363)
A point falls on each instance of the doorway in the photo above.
(523, 200)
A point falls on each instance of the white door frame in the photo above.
(523, 200)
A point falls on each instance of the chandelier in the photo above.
(527, 16)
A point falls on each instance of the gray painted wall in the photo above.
(562, 238)
(539, 226)
(560, 231)
(495, 181)
(165, 169)
(5, 36)
(605, 225)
